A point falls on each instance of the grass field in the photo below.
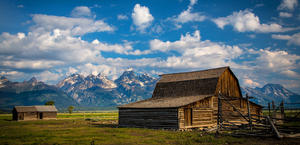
(101, 128)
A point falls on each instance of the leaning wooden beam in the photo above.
(219, 121)
(274, 128)
(297, 135)
(269, 108)
(249, 113)
(236, 109)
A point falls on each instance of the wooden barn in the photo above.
(189, 100)
(34, 112)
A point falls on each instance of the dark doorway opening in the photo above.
(188, 115)
(41, 115)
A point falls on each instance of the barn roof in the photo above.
(188, 83)
(165, 102)
(45, 108)
(195, 75)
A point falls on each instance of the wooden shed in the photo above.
(188, 100)
(34, 112)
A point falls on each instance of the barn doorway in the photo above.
(41, 115)
(188, 115)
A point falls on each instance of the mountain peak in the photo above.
(75, 75)
(3, 81)
(273, 85)
(271, 92)
(33, 80)
(3, 78)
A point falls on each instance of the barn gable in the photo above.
(228, 84)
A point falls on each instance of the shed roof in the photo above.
(44, 108)
(165, 102)
(25, 109)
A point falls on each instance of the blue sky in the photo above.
(259, 40)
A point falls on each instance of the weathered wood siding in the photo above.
(185, 88)
(202, 114)
(148, 118)
(33, 115)
(49, 115)
(29, 115)
(228, 84)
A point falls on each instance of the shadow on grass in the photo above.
(104, 125)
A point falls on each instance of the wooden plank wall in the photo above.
(35, 115)
(49, 115)
(202, 114)
(148, 118)
(228, 85)
(30, 115)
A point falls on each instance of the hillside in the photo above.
(31, 92)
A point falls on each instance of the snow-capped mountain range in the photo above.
(272, 92)
(100, 91)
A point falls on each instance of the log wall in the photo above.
(49, 115)
(202, 114)
(29, 115)
(148, 118)
(33, 115)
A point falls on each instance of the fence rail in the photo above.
(271, 124)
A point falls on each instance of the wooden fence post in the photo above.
(249, 113)
(274, 128)
(219, 121)
(282, 110)
(269, 108)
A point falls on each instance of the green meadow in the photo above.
(100, 128)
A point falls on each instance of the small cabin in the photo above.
(188, 100)
(34, 112)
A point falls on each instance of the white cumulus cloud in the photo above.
(196, 53)
(292, 39)
(245, 21)
(285, 15)
(281, 37)
(74, 26)
(250, 83)
(288, 5)
(141, 17)
(122, 17)
(81, 11)
(188, 16)
(277, 61)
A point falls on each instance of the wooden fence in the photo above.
(258, 125)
